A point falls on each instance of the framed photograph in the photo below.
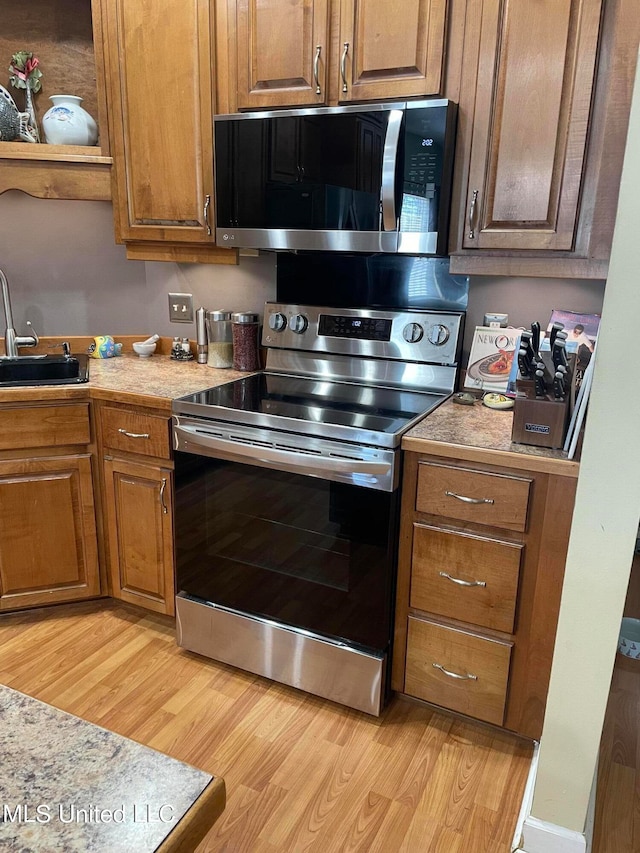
(491, 358)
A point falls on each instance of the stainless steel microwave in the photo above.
(367, 178)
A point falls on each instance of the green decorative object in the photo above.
(26, 75)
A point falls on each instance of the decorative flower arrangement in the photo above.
(26, 75)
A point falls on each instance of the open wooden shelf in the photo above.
(66, 36)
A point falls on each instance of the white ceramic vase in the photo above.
(67, 123)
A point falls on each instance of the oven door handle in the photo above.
(192, 440)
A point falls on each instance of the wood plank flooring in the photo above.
(617, 817)
(302, 774)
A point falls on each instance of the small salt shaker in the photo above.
(244, 328)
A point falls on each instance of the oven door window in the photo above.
(306, 552)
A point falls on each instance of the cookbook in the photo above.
(491, 358)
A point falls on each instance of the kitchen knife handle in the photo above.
(343, 66)
(535, 338)
(467, 500)
(460, 582)
(466, 677)
(316, 64)
(472, 215)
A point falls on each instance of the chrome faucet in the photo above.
(11, 340)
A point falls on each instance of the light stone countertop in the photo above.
(55, 764)
(154, 381)
(480, 434)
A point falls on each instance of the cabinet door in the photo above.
(48, 545)
(161, 110)
(391, 49)
(282, 52)
(535, 70)
(140, 533)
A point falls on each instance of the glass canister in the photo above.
(219, 339)
(245, 328)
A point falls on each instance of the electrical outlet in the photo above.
(181, 307)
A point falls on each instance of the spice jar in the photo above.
(220, 345)
(245, 341)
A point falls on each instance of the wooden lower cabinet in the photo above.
(138, 514)
(480, 572)
(463, 671)
(48, 543)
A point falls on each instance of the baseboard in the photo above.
(538, 836)
(527, 799)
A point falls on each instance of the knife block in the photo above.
(540, 421)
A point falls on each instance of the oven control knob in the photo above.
(298, 324)
(438, 334)
(277, 322)
(412, 333)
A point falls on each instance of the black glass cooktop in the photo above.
(369, 414)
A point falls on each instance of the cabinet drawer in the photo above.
(136, 432)
(44, 426)
(478, 670)
(496, 499)
(465, 577)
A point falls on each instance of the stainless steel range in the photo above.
(287, 495)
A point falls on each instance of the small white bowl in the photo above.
(144, 350)
(629, 639)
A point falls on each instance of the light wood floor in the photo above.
(617, 818)
(301, 773)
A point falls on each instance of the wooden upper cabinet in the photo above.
(391, 49)
(160, 96)
(282, 51)
(532, 67)
(277, 53)
(161, 103)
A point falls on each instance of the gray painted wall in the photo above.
(69, 277)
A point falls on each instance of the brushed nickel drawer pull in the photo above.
(460, 581)
(472, 215)
(162, 488)
(447, 672)
(316, 67)
(343, 66)
(134, 434)
(467, 500)
(205, 213)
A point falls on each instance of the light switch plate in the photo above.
(181, 307)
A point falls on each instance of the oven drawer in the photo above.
(460, 671)
(465, 577)
(136, 432)
(498, 500)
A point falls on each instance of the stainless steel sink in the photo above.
(44, 370)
